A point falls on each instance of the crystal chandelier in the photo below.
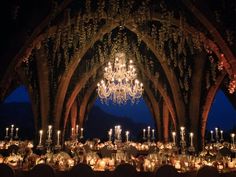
(120, 83)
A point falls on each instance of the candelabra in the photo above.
(221, 136)
(12, 132)
(58, 145)
(153, 135)
(127, 136)
(49, 138)
(16, 136)
(40, 146)
(7, 133)
(81, 133)
(110, 135)
(144, 135)
(148, 133)
(182, 141)
(212, 138)
(233, 148)
(174, 147)
(191, 148)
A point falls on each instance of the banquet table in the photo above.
(19, 173)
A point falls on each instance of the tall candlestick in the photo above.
(182, 133)
(144, 133)
(81, 133)
(110, 134)
(40, 136)
(221, 135)
(72, 132)
(76, 129)
(12, 131)
(212, 139)
(153, 134)
(191, 139)
(127, 136)
(49, 132)
(58, 137)
(148, 131)
(7, 129)
(217, 135)
(173, 137)
(16, 136)
(232, 137)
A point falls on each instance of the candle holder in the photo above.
(81, 133)
(182, 141)
(7, 133)
(49, 139)
(174, 147)
(217, 134)
(144, 135)
(16, 136)
(233, 148)
(191, 149)
(58, 145)
(127, 136)
(40, 146)
(153, 135)
(221, 136)
(148, 133)
(12, 132)
(212, 136)
(110, 135)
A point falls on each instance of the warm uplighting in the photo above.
(120, 82)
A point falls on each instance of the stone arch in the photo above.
(208, 102)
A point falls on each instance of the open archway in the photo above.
(132, 117)
(17, 109)
(222, 114)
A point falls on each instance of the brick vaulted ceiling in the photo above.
(184, 52)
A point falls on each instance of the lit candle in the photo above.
(212, 139)
(153, 134)
(173, 136)
(191, 139)
(144, 133)
(7, 129)
(77, 129)
(119, 133)
(17, 129)
(49, 132)
(72, 132)
(58, 137)
(40, 136)
(12, 130)
(127, 136)
(110, 134)
(148, 131)
(81, 133)
(182, 133)
(232, 137)
(221, 135)
(217, 135)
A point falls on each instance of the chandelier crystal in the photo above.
(120, 82)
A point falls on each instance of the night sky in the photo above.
(222, 113)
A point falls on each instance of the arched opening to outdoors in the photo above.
(132, 117)
(221, 115)
(16, 109)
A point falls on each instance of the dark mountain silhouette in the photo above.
(99, 122)
(19, 114)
